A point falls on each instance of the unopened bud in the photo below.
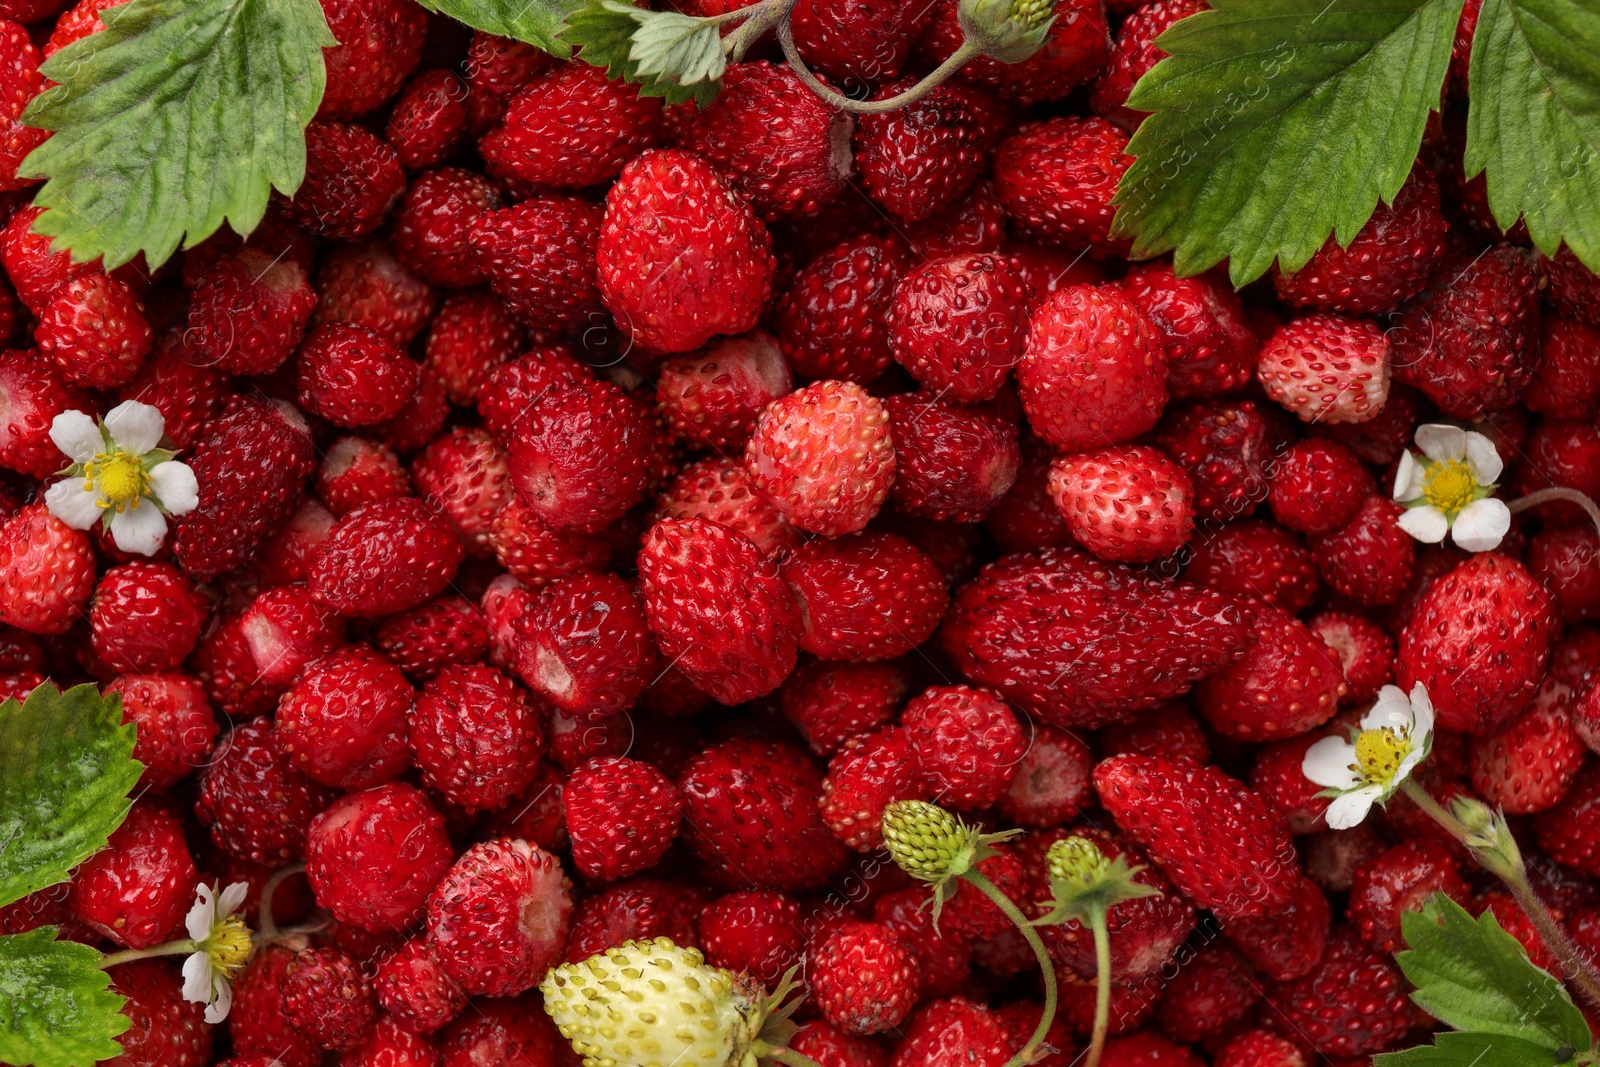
(1077, 862)
(1008, 30)
(924, 839)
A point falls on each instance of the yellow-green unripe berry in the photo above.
(925, 840)
(1008, 30)
(1076, 861)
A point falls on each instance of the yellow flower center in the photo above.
(121, 478)
(228, 946)
(1450, 486)
(1379, 754)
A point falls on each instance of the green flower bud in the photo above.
(926, 841)
(1008, 30)
(1077, 861)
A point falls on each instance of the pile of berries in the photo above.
(603, 510)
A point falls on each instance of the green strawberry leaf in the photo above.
(1276, 122)
(1534, 121)
(56, 1009)
(1472, 975)
(673, 56)
(179, 115)
(1471, 1050)
(537, 22)
(66, 768)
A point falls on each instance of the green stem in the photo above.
(989, 889)
(941, 74)
(758, 19)
(266, 928)
(765, 1051)
(128, 955)
(1102, 989)
(1515, 876)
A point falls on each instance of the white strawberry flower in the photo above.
(222, 946)
(1395, 736)
(1448, 489)
(120, 476)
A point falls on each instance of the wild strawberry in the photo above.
(285, 558)
(1169, 806)
(1365, 652)
(973, 225)
(1567, 383)
(779, 145)
(951, 463)
(1389, 261)
(1478, 640)
(1566, 831)
(1318, 486)
(343, 721)
(622, 816)
(713, 397)
(1026, 517)
(833, 320)
(284, 629)
(1146, 1049)
(499, 917)
(428, 119)
(856, 43)
(33, 394)
(433, 225)
(502, 1031)
(862, 978)
(1370, 560)
(1468, 343)
(352, 180)
(1327, 368)
(571, 128)
(137, 888)
(257, 1023)
(32, 264)
(354, 471)
(390, 1044)
(1333, 857)
(866, 775)
(365, 285)
(1286, 683)
(466, 475)
(1094, 371)
(540, 258)
(94, 330)
(476, 737)
(380, 44)
(1260, 1048)
(958, 325)
(256, 802)
(639, 908)
(952, 1032)
(1132, 1005)
(353, 376)
(732, 787)
(510, 391)
(1565, 453)
(1226, 446)
(46, 572)
(473, 333)
(1561, 560)
(537, 554)
(584, 643)
(756, 932)
(829, 703)
(1278, 777)
(374, 856)
(176, 728)
(719, 490)
(1056, 178)
(415, 991)
(1210, 347)
(1401, 880)
(1049, 782)
(1528, 765)
(1353, 1004)
(1134, 641)
(873, 596)
(1073, 53)
(499, 66)
(429, 637)
(248, 313)
(187, 396)
(1128, 503)
(251, 466)
(385, 557)
(326, 997)
(823, 455)
(227, 669)
(1287, 943)
(965, 743)
(164, 1028)
(1133, 54)
(1572, 286)
(1210, 994)
(917, 160)
(145, 617)
(1255, 558)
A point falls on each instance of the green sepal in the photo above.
(535, 22)
(1473, 976)
(66, 768)
(667, 54)
(178, 116)
(57, 1009)
(1082, 903)
(1472, 1050)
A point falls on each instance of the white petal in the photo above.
(1441, 442)
(1484, 459)
(1422, 712)
(1406, 766)
(139, 529)
(1391, 710)
(202, 913)
(1481, 525)
(136, 427)
(197, 978)
(1409, 481)
(69, 502)
(1327, 763)
(232, 897)
(77, 435)
(222, 1001)
(1348, 810)
(1426, 523)
(174, 485)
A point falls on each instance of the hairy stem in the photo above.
(758, 19)
(171, 948)
(1102, 990)
(1571, 496)
(940, 74)
(267, 929)
(777, 1054)
(1025, 1055)
(1574, 967)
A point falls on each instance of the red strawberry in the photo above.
(353, 376)
(733, 787)
(145, 617)
(719, 490)
(1529, 765)
(1573, 286)
(499, 66)
(1073, 52)
(756, 932)
(46, 572)
(1566, 831)
(779, 145)
(390, 1044)
(1279, 778)
(871, 596)
(1056, 178)
(833, 321)
(1210, 347)
(1259, 1048)
(1049, 783)
(428, 119)
(354, 471)
(1287, 943)
(1225, 445)
(1210, 834)
(385, 557)
(1026, 517)
(1094, 372)
(713, 397)
(468, 477)
(1567, 383)
(1401, 880)
(637, 909)
(1318, 486)
(33, 394)
(1149, 1050)
(965, 743)
(866, 775)
(1353, 1004)
(326, 997)
(1255, 558)
(953, 1032)
(539, 257)
(537, 554)
(1327, 368)
(974, 225)
(1169, 730)
(426, 639)
(1365, 651)
(1370, 560)
(1286, 683)
(1128, 503)
(433, 225)
(503, 1031)
(137, 889)
(499, 917)
(374, 856)
(95, 331)
(1565, 453)
(256, 802)
(1081, 643)
(164, 1029)
(352, 180)
(622, 815)
(249, 312)
(829, 703)
(176, 728)
(365, 285)
(476, 737)
(187, 396)
(1209, 995)
(958, 325)
(862, 978)
(257, 1023)
(285, 558)
(918, 159)
(823, 455)
(856, 42)
(415, 991)
(508, 392)
(32, 264)
(1478, 640)
(380, 44)
(571, 128)
(1133, 54)
(343, 721)
(585, 644)
(473, 333)
(951, 463)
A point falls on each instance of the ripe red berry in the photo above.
(248, 313)
(373, 856)
(343, 721)
(176, 726)
(585, 644)
(1128, 503)
(1286, 683)
(415, 991)
(865, 776)
(539, 257)
(1370, 559)
(95, 331)
(829, 703)
(958, 325)
(952, 463)
(428, 119)
(571, 128)
(1210, 347)
(862, 978)
(385, 557)
(145, 617)
(712, 397)
(46, 571)
(498, 919)
(476, 736)
(353, 376)
(426, 639)
(1327, 368)
(918, 159)
(966, 743)
(326, 997)
(33, 394)
(380, 44)
(757, 932)
(433, 226)
(352, 180)
(833, 321)
(1318, 486)
(163, 1028)
(137, 889)
(256, 802)
(1056, 178)
(622, 816)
